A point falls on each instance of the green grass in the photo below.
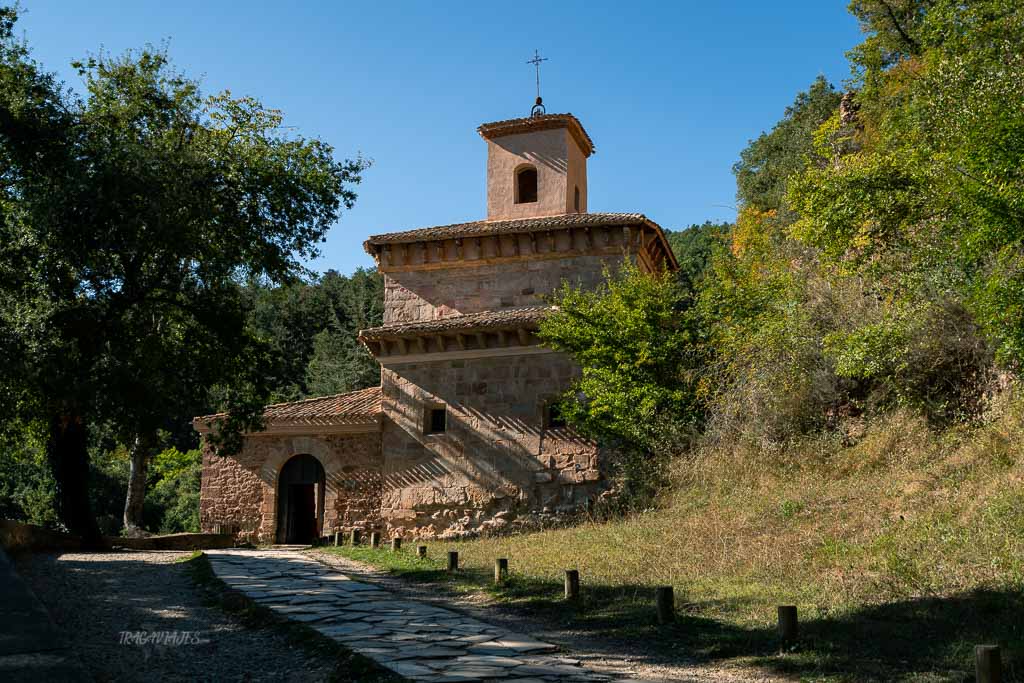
(348, 666)
(901, 552)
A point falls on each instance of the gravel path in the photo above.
(94, 597)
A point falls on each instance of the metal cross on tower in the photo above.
(538, 107)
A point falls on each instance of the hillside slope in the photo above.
(902, 551)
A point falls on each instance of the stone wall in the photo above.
(240, 492)
(18, 537)
(496, 459)
(416, 295)
(184, 541)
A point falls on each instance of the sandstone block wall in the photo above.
(417, 295)
(496, 459)
(240, 491)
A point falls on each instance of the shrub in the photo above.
(639, 347)
(26, 485)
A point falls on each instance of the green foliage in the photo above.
(875, 262)
(129, 215)
(172, 502)
(693, 248)
(637, 346)
(930, 357)
(172, 490)
(894, 27)
(790, 508)
(108, 486)
(767, 163)
(26, 485)
(311, 329)
(859, 206)
(340, 364)
(639, 349)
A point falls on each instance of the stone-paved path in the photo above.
(421, 642)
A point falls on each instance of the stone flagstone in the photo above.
(418, 641)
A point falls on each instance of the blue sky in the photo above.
(669, 91)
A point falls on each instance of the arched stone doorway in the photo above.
(300, 500)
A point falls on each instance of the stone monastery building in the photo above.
(460, 436)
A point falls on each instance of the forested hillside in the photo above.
(312, 329)
(875, 262)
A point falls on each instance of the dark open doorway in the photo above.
(300, 500)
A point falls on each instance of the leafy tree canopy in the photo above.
(637, 345)
(930, 202)
(128, 217)
(312, 327)
(768, 162)
(693, 248)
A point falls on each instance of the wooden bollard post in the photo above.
(988, 664)
(354, 537)
(337, 538)
(421, 551)
(572, 584)
(396, 544)
(500, 570)
(666, 605)
(453, 560)
(787, 624)
(374, 539)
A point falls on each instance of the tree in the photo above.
(766, 163)
(288, 318)
(930, 207)
(128, 217)
(694, 247)
(311, 328)
(893, 25)
(339, 363)
(639, 347)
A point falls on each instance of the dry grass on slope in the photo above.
(901, 552)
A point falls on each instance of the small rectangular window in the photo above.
(553, 418)
(437, 421)
(576, 200)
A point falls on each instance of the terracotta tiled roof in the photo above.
(481, 228)
(529, 124)
(355, 407)
(510, 318)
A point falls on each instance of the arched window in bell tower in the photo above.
(526, 185)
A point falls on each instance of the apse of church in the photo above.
(459, 438)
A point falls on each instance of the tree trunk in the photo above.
(68, 453)
(140, 453)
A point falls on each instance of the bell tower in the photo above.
(536, 166)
